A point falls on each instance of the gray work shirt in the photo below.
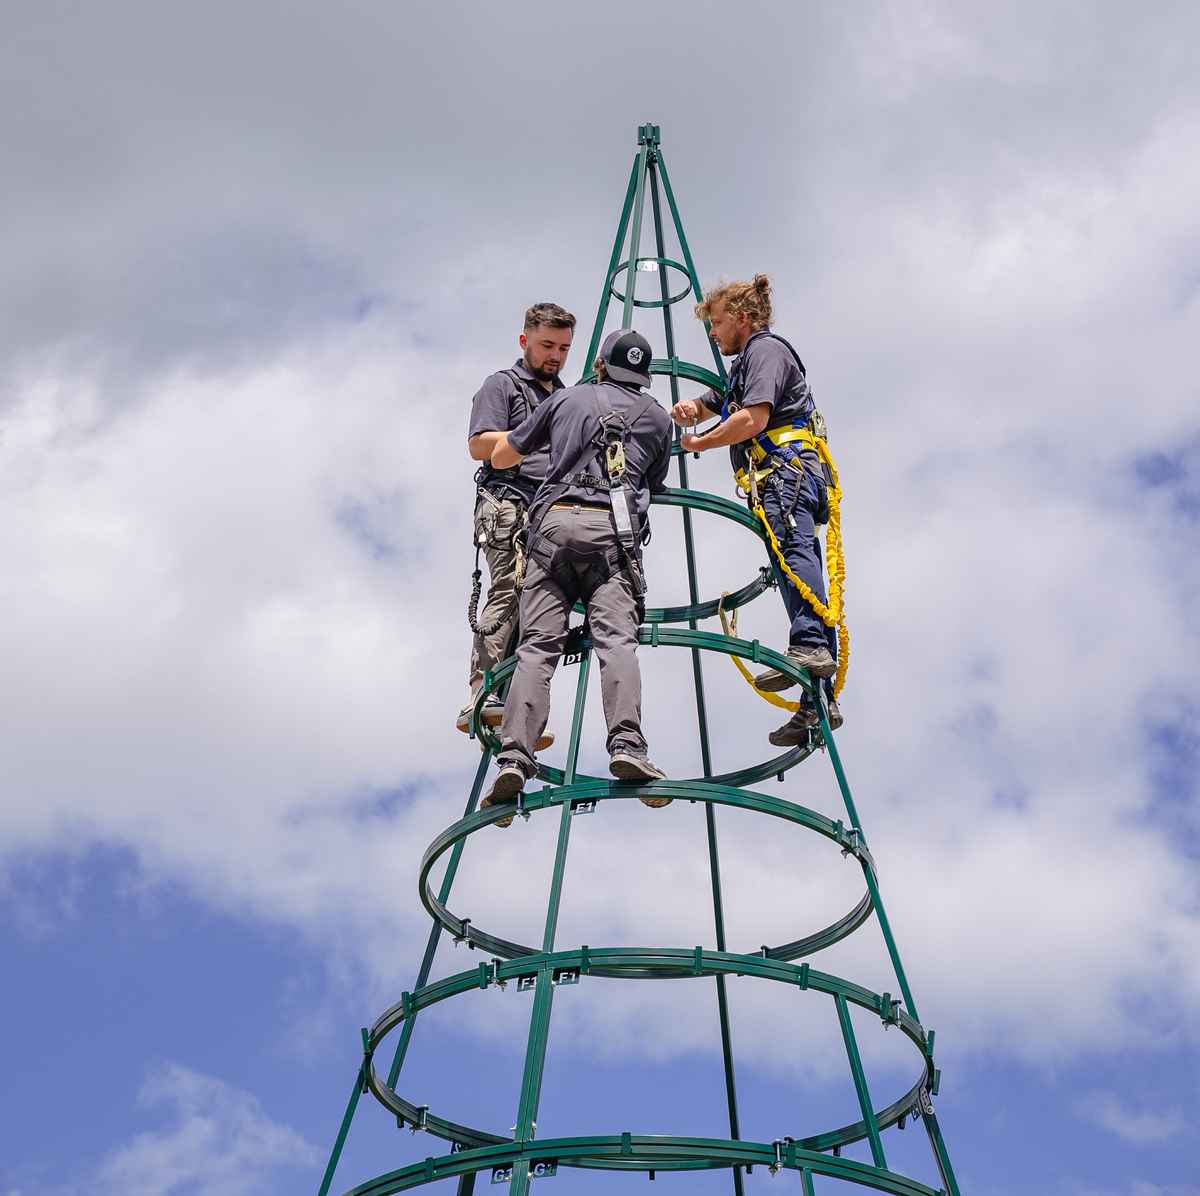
(767, 371)
(501, 404)
(567, 423)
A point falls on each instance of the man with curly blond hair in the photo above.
(768, 389)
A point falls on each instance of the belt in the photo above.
(579, 506)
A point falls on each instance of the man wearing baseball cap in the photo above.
(609, 445)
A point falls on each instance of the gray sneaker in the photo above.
(492, 713)
(510, 780)
(627, 765)
(817, 660)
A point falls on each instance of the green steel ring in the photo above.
(646, 1153)
(584, 793)
(673, 367)
(568, 967)
(670, 264)
(655, 635)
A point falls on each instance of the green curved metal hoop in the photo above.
(466, 931)
(664, 262)
(641, 963)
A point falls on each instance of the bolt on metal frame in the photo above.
(514, 1160)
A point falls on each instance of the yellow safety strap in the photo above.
(729, 626)
(833, 614)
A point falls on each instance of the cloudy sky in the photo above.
(257, 259)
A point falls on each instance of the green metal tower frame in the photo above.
(544, 968)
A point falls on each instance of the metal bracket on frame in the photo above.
(889, 1010)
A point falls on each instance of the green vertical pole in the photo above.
(710, 818)
(435, 934)
(422, 977)
(622, 225)
(687, 258)
(635, 235)
(941, 1157)
(543, 997)
(860, 1080)
(340, 1142)
(806, 1182)
(868, 872)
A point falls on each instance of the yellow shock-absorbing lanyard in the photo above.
(832, 614)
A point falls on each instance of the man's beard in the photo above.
(540, 372)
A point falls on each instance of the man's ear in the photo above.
(523, 341)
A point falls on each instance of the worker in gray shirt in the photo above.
(504, 401)
(768, 420)
(609, 445)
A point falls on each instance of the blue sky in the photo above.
(256, 267)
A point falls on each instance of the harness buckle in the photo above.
(614, 458)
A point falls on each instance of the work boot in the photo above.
(817, 659)
(510, 780)
(833, 713)
(795, 732)
(628, 765)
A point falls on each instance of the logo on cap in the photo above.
(634, 356)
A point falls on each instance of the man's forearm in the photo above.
(504, 456)
(741, 425)
(480, 445)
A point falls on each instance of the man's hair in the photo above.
(549, 314)
(753, 298)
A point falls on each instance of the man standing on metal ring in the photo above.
(609, 446)
(504, 401)
(768, 420)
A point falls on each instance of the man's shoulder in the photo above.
(768, 347)
(502, 378)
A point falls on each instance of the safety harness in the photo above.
(485, 477)
(577, 571)
(786, 446)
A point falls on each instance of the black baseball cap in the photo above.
(626, 355)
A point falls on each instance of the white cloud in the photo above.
(235, 572)
(1141, 1127)
(219, 1142)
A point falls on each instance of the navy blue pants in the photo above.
(788, 492)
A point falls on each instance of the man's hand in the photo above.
(686, 412)
(690, 441)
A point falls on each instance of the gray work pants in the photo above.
(545, 608)
(497, 521)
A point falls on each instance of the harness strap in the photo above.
(729, 626)
(832, 614)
